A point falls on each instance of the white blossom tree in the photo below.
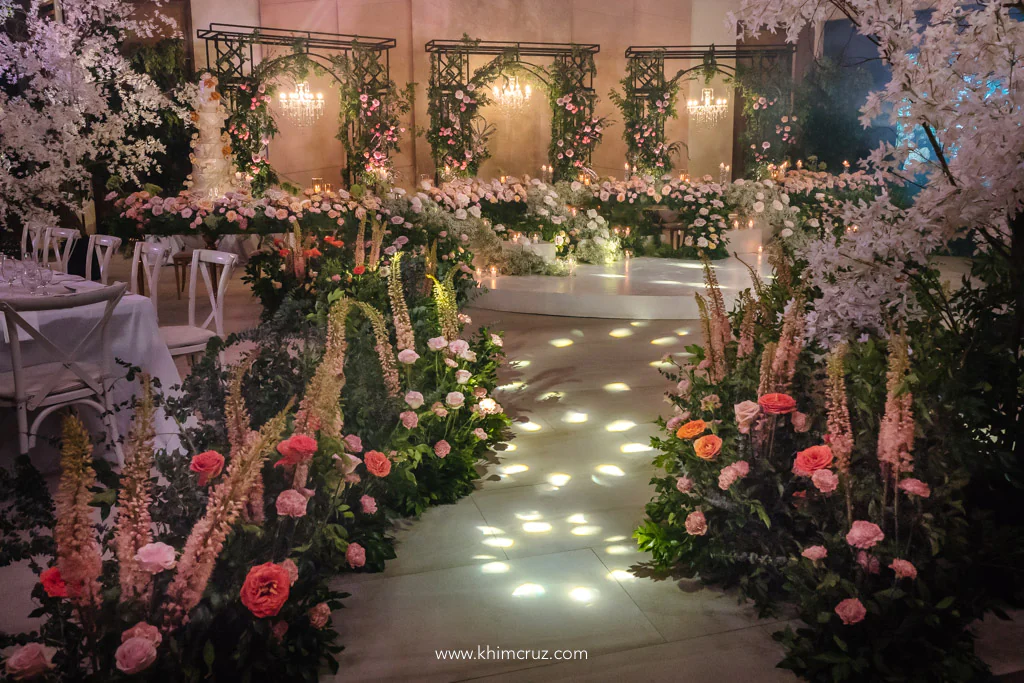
(69, 101)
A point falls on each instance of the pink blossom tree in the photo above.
(69, 101)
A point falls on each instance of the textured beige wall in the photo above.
(519, 144)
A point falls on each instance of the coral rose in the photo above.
(691, 429)
(777, 404)
(851, 611)
(318, 615)
(696, 523)
(825, 481)
(297, 448)
(265, 589)
(208, 465)
(135, 655)
(810, 460)
(815, 553)
(707, 446)
(291, 503)
(143, 630)
(442, 448)
(30, 661)
(154, 558)
(377, 464)
(903, 569)
(915, 487)
(864, 535)
(53, 583)
(746, 412)
(355, 554)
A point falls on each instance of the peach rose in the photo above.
(851, 611)
(696, 523)
(777, 404)
(903, 569)
(864, 535)
(265, 589)
(296, 449)
(135, 655)
(154, 558)
(692, 429)
(815, 553)
(53, 583)
(746, 412)
(707, 446)
(208, 465)
(29, 661)
(377, 464)
(810, 460)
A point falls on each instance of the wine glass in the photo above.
(45, 277)
(11, 269)
(30, 278)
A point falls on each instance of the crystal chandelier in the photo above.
(511, 96)
(707, 110)
(302, 107)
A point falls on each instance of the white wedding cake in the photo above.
(213, 164)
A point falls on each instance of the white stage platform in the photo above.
(635, 289)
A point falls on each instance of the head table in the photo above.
(135, 336)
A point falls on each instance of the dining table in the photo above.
(135, 339)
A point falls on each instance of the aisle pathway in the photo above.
(538, 558)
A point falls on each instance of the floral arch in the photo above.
(458, 132)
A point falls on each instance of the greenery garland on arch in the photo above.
(575, 130)
(644, 118)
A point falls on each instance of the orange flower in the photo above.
(707, 446)
(777, 404)
(692, 429)
(265, 589)
(810, 460)
(194, 116)
(215, 96)
(53, 583)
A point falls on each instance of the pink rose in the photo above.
(29, 661)
(455, 399)
(746, 412)
(730, 473)
(800, 421)
(696, 524)
(497, 341)
(480, 433)
(868, 562)
(915, 487)
(414, 399)
(903, 569)
(437, 344)
(135, 655)
(143, 630)
(353, 443)
(318, 615)
(851, 611)
(291, 503)
(408, 357)
(684, 484)
(279, 630)
(154, 558)
(451, 363)
(369, 505)
(442, 448)
(409, 419)
(489, 406)
(479, 392)
(458, 346)
(815, 553)
(825, 481)
(864, 535)
(462, 376)
(673, 424)
(355, 555)
(292, 570)
(439, 409)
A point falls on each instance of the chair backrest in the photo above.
(104, 247)
(147, 260)
(204, 262)
(53, 241)
(51, 352)
(33, 240)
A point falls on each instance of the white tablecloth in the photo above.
(136, 340)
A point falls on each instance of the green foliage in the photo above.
(644, 119)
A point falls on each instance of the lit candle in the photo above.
(494, 271)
